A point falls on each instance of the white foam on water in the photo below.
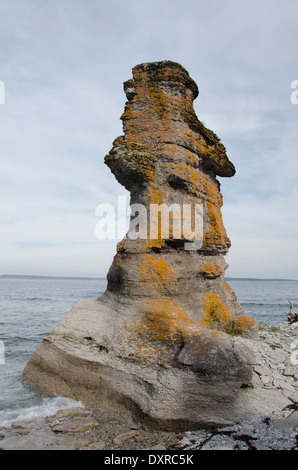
(48, 407)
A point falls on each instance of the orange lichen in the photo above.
(211, 270)
(150, 106)
(216, 316)
(155, 194)
(163, 222)
(161, 329)
(154, 243)
(197, 182)
(173, 151)
(164, 318)
(156, 273)
(215, 233)
(161, 98)
(246, 324)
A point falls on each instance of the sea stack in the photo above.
(166, 343)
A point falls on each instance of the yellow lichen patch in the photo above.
(155, 235)
(217, 316)
(211, 270)
(197, 182)
(159, 100)
(155, 194)
(163, 319)
(142, 117)
(215, 233)
(156, 273)
(175, 152)
(162, 99)
(246, 325)
(161, 329)
(210, 188)
(156, 107)
(154, 243)
(202, 147)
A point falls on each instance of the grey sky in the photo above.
(63, 63)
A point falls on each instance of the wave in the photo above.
(48, 407)
(32, 299)
(263, 304)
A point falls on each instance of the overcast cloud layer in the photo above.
(63, 63)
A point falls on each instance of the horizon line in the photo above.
(49, 277)
(105, 278)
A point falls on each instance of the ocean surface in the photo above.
(31, 307)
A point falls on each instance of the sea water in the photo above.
(31, 307)
(266, 300)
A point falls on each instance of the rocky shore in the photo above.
(88, 429)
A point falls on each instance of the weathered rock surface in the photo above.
(166, 343)
(275, 425)
(167, 156)
(265, 431)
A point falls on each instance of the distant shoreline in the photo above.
(81, 278)
(256, 279)
(27, 276)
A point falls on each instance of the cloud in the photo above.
(63, 68)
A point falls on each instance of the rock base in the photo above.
(93, 358)
(274, 425)
(82, 359)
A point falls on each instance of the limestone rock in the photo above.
(124, 437)
(166, 342)
(73, 421)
